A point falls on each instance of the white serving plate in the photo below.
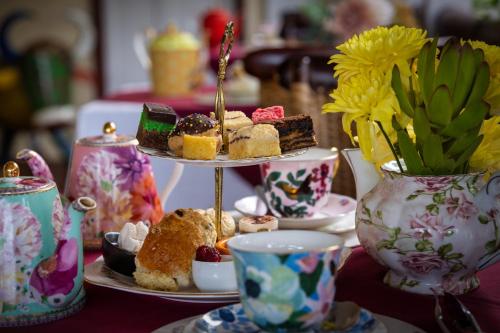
(99, 274)
(222, 160)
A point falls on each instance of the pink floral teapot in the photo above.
(109, 169)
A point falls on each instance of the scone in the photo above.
(254, 141)
(194, 124)
(233, 120)
(228, 224)
(164, 260)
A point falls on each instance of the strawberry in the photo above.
(207, 253)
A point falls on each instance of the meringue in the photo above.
(132, 236)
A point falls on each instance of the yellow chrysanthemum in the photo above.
(378, 50)
(487, 155)
(365, 99)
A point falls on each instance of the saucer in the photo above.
(336, 211)
(232, 318)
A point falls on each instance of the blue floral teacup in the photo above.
(286, 278)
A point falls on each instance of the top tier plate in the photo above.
(222, 161)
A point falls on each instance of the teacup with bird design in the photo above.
(299, 186)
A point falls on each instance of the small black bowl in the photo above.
(119, 260)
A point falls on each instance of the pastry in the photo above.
(233, 120)
(254, 141)
(194, 124)
(269, 113)
(295, 132)
(156, 124)
(228, 225)
(164, 260)
(257, 223)
(199, 147)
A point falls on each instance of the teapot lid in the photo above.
(11, 183)
(108, 138)
(172, 39)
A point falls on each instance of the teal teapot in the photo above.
(41, 252)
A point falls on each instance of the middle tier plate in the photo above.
(222, 161)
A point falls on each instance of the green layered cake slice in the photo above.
(156, 124)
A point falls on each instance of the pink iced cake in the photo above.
(269, 113)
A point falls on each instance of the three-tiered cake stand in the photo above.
(222, 161)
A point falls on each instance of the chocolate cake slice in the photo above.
(295, 132)
(156, 124)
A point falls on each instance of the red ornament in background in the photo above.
(214, 22)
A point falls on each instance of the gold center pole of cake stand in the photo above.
(225, 49)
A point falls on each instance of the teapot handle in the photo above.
(172, 182)
(140, 42)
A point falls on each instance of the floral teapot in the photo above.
(41, 252)
(433, 232)
(109, 169)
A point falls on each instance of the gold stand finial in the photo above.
(109, 128)
(11, 169)
(224, 52)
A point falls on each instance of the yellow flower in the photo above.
(378, 50)
(365, 99)
(492, 57)
(487, 155)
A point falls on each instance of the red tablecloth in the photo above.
(360, 281)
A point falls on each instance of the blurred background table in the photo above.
(360, 281)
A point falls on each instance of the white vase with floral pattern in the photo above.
(432, 232)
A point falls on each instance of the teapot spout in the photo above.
(36, 163)
(78, 209)
(365, 174)
(488, 201)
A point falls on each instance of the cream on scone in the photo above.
(254, 141)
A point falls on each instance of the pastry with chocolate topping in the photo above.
(194, 125)
(295, 132)
(258, 223)
(156, 124)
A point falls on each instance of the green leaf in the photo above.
(300, 173)
(491, 246)
(465, 78)
(481, 83)
(411, 197)
(106, 186)
(464, 158)
(448, 65)
(409, 152)
(292, 180)
(426, 67)
(460, 144)
(440, 107)
(483, 219)
(421, 125)
(385, 244)
(400, 92)
(456, 267)
(472, 117)
(423, 245)
(445, 249)
(438, 198)
(433, 209)
(274, 176)
(309, 282)
(433, 153)
(454, 256)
